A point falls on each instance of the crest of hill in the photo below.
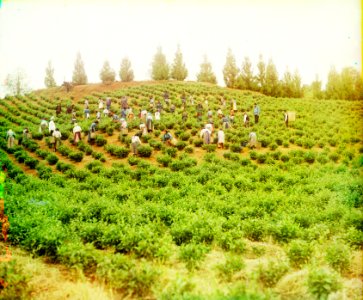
(80, 91)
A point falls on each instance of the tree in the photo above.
(126, 73)
(49, 76)
(351, 84)
(316, 88)
(296, 85)
(230, 70)
(16, 84)
(261, 76)
(107, 74)
(272, 85)
(333, 85)
(79, 74)
(160, 67)
(206, 73)
(178, 69)
(287, 85)
(246, 79)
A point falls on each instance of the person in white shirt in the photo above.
(220, 135)
(253, 139)
(149, 122)
(157, 115)
(286, 119)
(76, 133)
(100, 104)
(205, 134)
(43, 126)
(135, 143)
(143, 129)
(51, 125)
(106, 112)
(123, 126)
(57, 138)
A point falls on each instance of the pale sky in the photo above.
(308, 35)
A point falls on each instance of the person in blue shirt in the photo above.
(256, 112)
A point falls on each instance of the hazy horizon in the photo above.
(310, 36)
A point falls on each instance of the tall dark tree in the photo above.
(49, 76)
(126, 72)
(160, 67)
(230, 70)
(287, 85)
(351, 84)
(79, 74)
(178, 69)
(107, 74)
(261, 76)
(333, 86)
(246, 79)
(316, 89)
(296, 84)
(272, 85)
(206, 73)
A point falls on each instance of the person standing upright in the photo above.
(10, 136)
(256, 112)
(286, 119)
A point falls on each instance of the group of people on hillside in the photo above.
(147, 121)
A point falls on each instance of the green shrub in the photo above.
(338, 256)
(164, 160)
(322, 158)
(334, 157)
(309, 157)
(232, 265)
(52, 159)
(87, 149)
(43, 171)
(271, 273)
(132, 160)
(198, 142)
(180, 145)
(145, 151)
(210, 148)
(192, 255)
(235, 148)
(80, 256)
(157, 145)
(64, 150)
(253, 155)
(231, 241)
(63, 167)
(76, 156)
(99, 156)
(261, 158)
(37, 136)
(42, 153)
(322, 282)
(285, 230)
(181, 164)
(284, 158)
(31, 162)
(188, 149)
(172, 152)
(21, 156)
(299, 252)
(354, 237)
(100, 140)
(273, 146)
(14, 281)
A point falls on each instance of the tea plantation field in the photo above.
(190, 221)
